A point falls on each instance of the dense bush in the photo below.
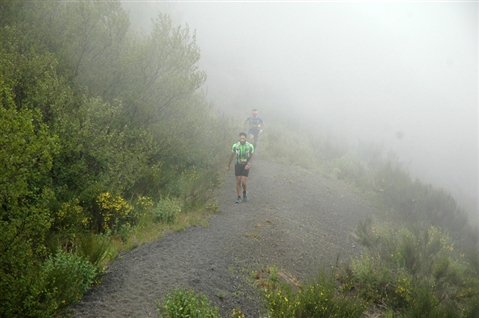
(93, 247)
(416, 271)
(181, 303)
(167, 210)
(26, 151)
(319, 298)
(68, 277)
(113, 212)
(95, 118)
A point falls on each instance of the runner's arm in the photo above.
(248, 163)
(229, 161)
(250, 159)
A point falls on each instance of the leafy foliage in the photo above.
(98, 124)
(93, 247)
(69, 277)
(416, 272)
(317, 299)
(167, 210)
(186, 303)
(26, 151)
(113, 210)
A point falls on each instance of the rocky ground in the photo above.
(295, 220)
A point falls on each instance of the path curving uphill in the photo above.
(296, 220)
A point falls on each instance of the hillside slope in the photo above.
(295, 219)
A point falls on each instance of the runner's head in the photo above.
(254, 112)
(242, 136)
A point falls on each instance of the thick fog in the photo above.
(402, 74)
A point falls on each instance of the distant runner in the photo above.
(255, 128)
(243, 151)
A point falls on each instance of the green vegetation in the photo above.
(414, 272)
(318, 299)
(420, 254)
(186, 303)
(68, 276)
(107, 142)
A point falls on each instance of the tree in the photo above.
(164, 75)
(26, 151)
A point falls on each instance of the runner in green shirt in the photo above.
(243, 151)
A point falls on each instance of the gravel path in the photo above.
(296, 220)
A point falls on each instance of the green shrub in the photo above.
(182, 303)
(177, 186)
(124, 232)
(416, 272)
(68, 277)
(167, 210)
(471, 310)
(425, 303)
(317, 299)
(93, 247)
(201, 186)
(26, 152)
(25, 294)
(114, 211)
(68, 217)
(372, 281)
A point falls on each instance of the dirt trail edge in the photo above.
(297, 220)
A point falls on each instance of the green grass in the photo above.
(149, 229)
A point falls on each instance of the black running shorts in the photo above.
(240, 170)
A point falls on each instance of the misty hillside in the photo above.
(401, 76)
(113, 134)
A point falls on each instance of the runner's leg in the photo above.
(255, 141)
(238, 184)
(244, 182)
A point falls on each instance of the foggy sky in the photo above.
(405, 74)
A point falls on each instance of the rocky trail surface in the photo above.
(295, 220)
